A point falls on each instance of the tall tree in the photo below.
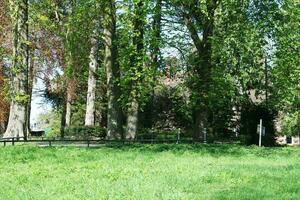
(93, 65)
(286, 74)
(17, 124)
(199, 17)
(114, 113)
(4, 37)
(155, 54)
(137, 64)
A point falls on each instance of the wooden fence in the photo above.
(89, 141)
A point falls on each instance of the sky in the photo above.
(38, 103)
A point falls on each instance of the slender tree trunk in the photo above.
(114, 113)
(91, 94)
(30, 89)
(63, 119)
(157, 34)
(69, 105)
(17, 124)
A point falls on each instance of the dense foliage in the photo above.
(135, 66)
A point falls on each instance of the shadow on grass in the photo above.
(215, 150)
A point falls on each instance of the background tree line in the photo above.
(136, 66)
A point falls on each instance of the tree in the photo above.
(199, 17)
(17, 124)
(156, 41)
(4, 52)
(285, 74)
(4, 106)
(93, 65)
(137, 64)
(114, 113)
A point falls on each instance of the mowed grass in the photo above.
(150, 172)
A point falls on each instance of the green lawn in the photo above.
(150, 172)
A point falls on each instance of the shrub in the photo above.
(86, 131)
(157, 134)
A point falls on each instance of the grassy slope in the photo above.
(150, 172)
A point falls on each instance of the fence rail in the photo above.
(88, 142)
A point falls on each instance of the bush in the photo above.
(157, 134)
(86, 131)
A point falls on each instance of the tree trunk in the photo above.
(91, 94)
(155, 48)
(30, 89)
(114, 113)
(2, 127)
(137, 61)
(63, 119)
(204, 67)
(132, 119)
(200, 124)
(69, 106)
(17, 124)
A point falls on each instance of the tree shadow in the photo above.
(215, 150)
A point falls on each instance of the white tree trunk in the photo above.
(68, 108)
(91, 94)
(17, 121)
(17, 124)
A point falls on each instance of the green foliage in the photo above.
(136, 68)
(220, 48)
(85, 132)
(158, 134)
(170, 108)
(50, 121)
(291, 124)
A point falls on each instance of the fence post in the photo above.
(178, 136)
(5, 143)
(49, 143)
(13, 141)
(152, 136)
(88, 143)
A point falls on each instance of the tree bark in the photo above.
(17, 124)
(91, 94)
(132, 119)
(114, 112)
(30, 89)
(63, 119)
(69, 105)
(2, 127)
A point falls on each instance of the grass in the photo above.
(150, 172)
